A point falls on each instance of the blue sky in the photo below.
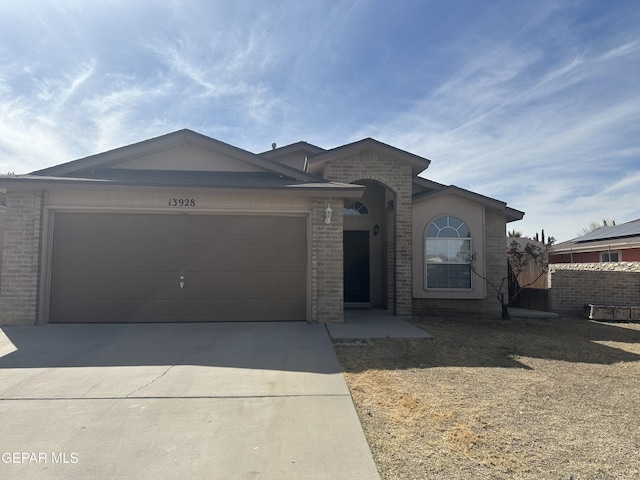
(536, 103)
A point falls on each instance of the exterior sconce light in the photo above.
(327, 214)
(376, 229)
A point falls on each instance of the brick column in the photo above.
(327, 296)
(396, 177)
(403, 253)
(20, 285)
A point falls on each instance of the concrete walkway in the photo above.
(165, 401)
(373, 323)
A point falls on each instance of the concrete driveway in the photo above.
(211, 401)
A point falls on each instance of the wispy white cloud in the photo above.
(553, 137)
(529, 103)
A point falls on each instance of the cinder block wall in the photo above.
(326, 263)
(21, 259)
(397, 177)
(573, 285)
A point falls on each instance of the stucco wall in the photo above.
(473, 215)
(21, 259)
(573, 285)
(495, 270)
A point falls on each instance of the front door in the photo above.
(357, 283)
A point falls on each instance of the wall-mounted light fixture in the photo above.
(376, 229)
(327, 214)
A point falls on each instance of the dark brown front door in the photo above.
(166, 268)
(357, 283)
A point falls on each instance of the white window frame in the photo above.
(427, 239)
(618, 253)
(356, 208)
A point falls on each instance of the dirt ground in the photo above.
(501, 399)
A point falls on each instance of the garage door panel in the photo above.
(262, 285)
(262, 255)
(289, 285)
(199, 310)
(230, 285)
(166, 285)
(136, 255)
(105, 255)
(168, 256)
(71, 285)
(114, 267)
(73, 247)
(106, 226)
(107, 310)
(169, 227)
(136, 285)
(136, 226)
(152, 311)
(232, 227)
(291, 227)
(75, 310)
(103, 285)
(289, 310)
(198, 257)
(292, 255)
(198, 285)
(229, 257)
(199, 227)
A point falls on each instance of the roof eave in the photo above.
(511, 214)
(39, 184)
(594, 247)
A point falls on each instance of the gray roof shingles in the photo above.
(628, 229)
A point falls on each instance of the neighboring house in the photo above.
(614, 243)
(187, 228)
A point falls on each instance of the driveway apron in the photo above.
(210, 401)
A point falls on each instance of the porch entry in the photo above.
(357, 273)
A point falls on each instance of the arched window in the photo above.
(448, 249)
(355, 208)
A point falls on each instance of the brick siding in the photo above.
(397, 177)
(19, 289)
(327, 295)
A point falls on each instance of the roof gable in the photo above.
(189, 157)
(427, 190)
(418, 164)
(198, 152)
(294, 155)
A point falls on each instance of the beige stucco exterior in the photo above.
(473, 215)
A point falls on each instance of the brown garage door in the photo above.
(169, 268)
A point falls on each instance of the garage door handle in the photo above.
(181, 283)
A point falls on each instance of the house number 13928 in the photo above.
(182, 202)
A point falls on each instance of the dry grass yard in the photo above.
(495, 399)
